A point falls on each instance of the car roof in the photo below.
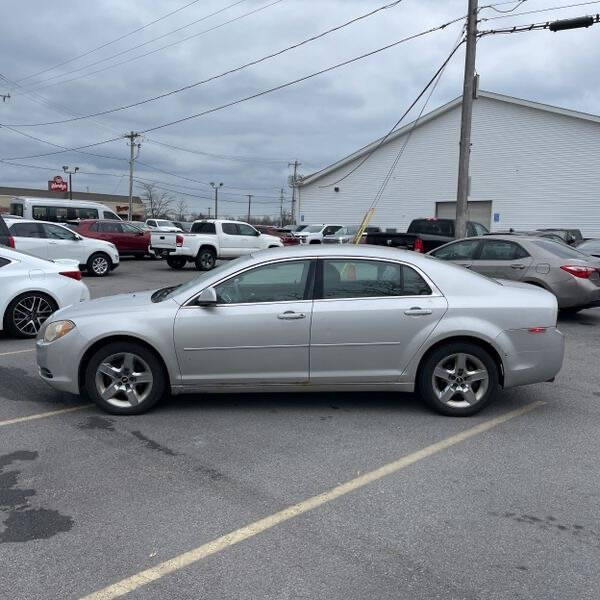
(20, 220)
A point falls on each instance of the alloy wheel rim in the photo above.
(207, 260)
(30, 313)
(99, 265)
(124, 380)
(460, 380)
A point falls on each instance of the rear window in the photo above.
(4, 262)
(559, 249)
(203, 227)
(16, 208)
(432, 227)
(28, 230)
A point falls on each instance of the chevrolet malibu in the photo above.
(316, 318)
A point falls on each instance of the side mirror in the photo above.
(207, 297)
(257, 232)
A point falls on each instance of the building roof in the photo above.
(436, 113)
(89, 196)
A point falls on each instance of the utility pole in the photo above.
(295, 164)
(462, 193)
(281, 209)
(249, 204)
(132, 136)
(216, 187)
(209, 212)
(70, 172)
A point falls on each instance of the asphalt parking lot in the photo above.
(502, 505)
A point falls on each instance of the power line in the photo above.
(220, 75)
(40, 85)
(540, 10)
(509, 10)
(104, 45)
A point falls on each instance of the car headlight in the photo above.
(58, 329)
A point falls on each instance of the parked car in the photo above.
(570, 236)
(5, 238)
(128, 239)
(571, 276)
(31, 289)
(162, 225)
(590, 247)
(424, 235)
(183, 225)
(345, 235)
(209, 241)
(304, 319)
(285, 236)
(59, 211)
(54, 241)
(314, 234)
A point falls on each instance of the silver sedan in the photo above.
(309, 318)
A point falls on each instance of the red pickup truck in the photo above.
(129, 239)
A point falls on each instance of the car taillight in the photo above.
(179, 241)
(579, 271)
(11, 241)
(537, 330)
(72, 274)
(419, 245)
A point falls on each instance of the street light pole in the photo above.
(249, 204)
(216, 187)
(67, 170)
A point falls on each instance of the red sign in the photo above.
(58, 184)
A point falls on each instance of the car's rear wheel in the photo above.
(99, 264)
(125, 378)
(458, 379)
(206, 259)
(176, 262)
(26, 314)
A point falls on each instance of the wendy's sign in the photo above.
(58, 184)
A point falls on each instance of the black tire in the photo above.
(138, 256)
(453, 402)
(99, 264)
(42, 306)
(315, 242)
(572, 310)
(176, 262)
(145, 361)
(206, 259)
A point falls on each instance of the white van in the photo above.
(57, 210)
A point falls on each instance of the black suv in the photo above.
(5, 238)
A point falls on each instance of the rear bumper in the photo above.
(577, 293)
(531, 357)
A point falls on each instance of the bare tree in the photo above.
(157, 203)
(181, 208)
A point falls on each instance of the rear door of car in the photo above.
(30, 237)
(113, 232)
(503, 259)
(370, 317)
(462, 252)
(231, 242)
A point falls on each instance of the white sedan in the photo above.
(53, 241)
(31, 289)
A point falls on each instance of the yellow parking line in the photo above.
(167, 567)
(17, 352)
(43, 415)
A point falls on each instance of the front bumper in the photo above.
(531, 357)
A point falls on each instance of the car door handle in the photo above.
(417, 311)
(517, 266)
(467, 265)
(290, 315)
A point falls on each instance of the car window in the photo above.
(443, 227)
(94, 227)
(479, 229)
(331, 229)
(28, 230)
(4, 262)
(58, 233)
(126, 228)
(279, 282)
(16, 208)
(111, 228)
(501, 250)
(246, 229)
(111, 215)
(560, 250)
(164, 223)
(313, 228)
(203, 227)
(152, 223)
(230, 228)
(589, 246)
(369, 278)
(463, 250)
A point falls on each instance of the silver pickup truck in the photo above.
(209, 241)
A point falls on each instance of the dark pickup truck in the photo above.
(5, 238)
(424, 235)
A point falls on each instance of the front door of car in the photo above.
(133, 240)
(257, 333)
(29, 237)
(250, 238)
(369, 319)
(113, 232)
(502, 259)
(62, 243)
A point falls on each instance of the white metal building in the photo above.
(532, 166)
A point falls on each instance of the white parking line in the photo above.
(167, 567)
(17, 352)
(43, 415)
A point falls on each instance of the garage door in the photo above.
(480, 212)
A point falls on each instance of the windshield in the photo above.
(350, 230)
(162, 223)
(560, 250)
(314, 228)
(168, 292)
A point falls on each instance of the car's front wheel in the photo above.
(99, 264)
(458, 379)
(125, 378)
(26, 314)
(176, 262)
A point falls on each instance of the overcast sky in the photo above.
(317, 121)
